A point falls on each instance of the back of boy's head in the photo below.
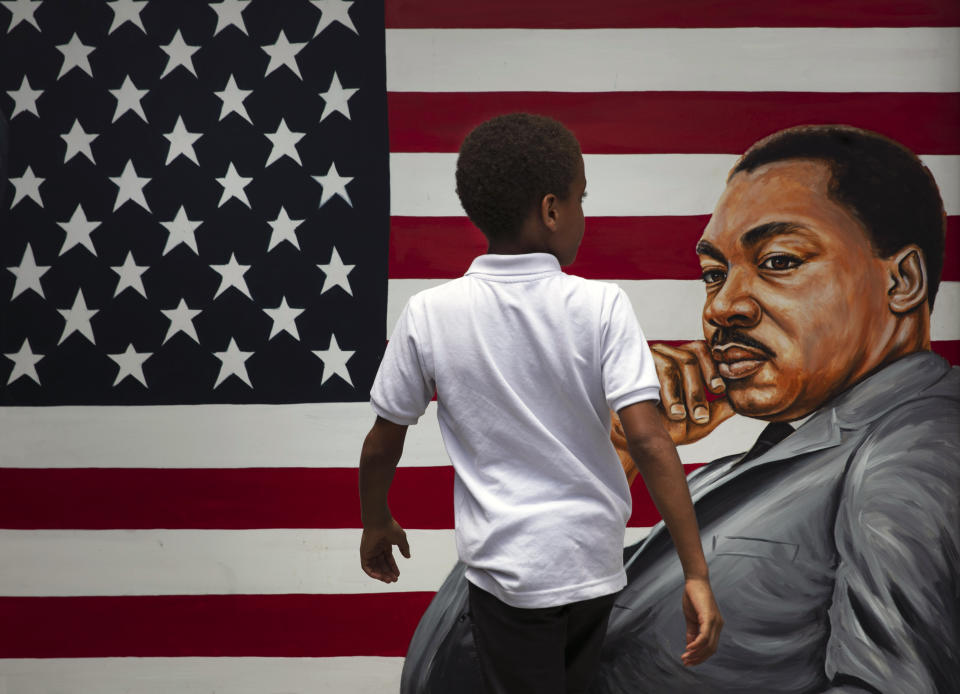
(508, 164)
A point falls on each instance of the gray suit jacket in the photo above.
(834, 556)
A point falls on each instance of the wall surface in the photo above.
(204, 257)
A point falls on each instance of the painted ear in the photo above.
(908, 279)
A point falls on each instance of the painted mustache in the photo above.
(726, 338)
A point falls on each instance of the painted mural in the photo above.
(213, 213)
(834, 540)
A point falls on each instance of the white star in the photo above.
(283, 228)
(333, 184)
(75, 55)
(333, 11)
(181, 142)
(24, 363)
(181, 230)
(77, 319)
(232, 364)
(284, 319)
(131, 364)
(229, 12)
(130, 187)
(181, 321)
(24, 99)
(127, 11)
(334, 361)
(26, 186)
(78, 142)
(336, 98)
(78, 231)
(128, 99)
(231, 275)
(22, 11)
(283, 53)
(28, 274)
(179, 53)
(131, 275)
(335, 274)
(232, 97)
(284, 143)
(233, 184)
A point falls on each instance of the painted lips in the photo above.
(735, 361)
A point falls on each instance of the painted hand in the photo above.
(376, 551)
(686, 373)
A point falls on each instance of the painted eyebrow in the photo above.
(707, 248)
(765, 231)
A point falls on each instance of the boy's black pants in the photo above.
(548, 650)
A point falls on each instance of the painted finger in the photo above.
(691, 381)
(670, 384)
(708, 367)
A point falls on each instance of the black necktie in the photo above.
(772, 434)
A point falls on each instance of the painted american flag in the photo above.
(217, 210)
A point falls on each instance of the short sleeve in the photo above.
(403, 387)
(629, 374)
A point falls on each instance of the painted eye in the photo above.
(713, 275)
(780, 262)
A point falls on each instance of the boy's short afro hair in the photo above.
(508, 164)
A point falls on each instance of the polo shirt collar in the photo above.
(524, 264)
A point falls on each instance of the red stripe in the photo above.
(676, 122)
(951, 254)
(624, 248)
(948, 349)
(572, 14)
(210, 625)
(229, 499)
(613, 247)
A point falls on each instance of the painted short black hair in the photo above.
(508, 164)
(884, 185)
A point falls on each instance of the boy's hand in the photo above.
(376, 551)
(703, 621)
(686, 373)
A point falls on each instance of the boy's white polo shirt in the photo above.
(527, 363)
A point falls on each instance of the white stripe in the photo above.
(358, 675)
(946, 171)
(670, 309)
(618, 185)
(945, 321)
(214, 562)
(238, 436)
(915, 59)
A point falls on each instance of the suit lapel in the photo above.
(861, 404)
(822, 431)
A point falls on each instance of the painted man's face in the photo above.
(796, 297)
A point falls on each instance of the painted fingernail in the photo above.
(700, 414)
(677, 410)
(717, 384)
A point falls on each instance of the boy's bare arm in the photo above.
(378, 461)
(656, 458)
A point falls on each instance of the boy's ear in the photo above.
(908, 279)
(549, 211)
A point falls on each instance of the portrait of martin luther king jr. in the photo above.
(833, 542)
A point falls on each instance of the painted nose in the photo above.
(733, 305)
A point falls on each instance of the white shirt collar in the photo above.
(514, 265)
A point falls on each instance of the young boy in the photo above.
(527, 363)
